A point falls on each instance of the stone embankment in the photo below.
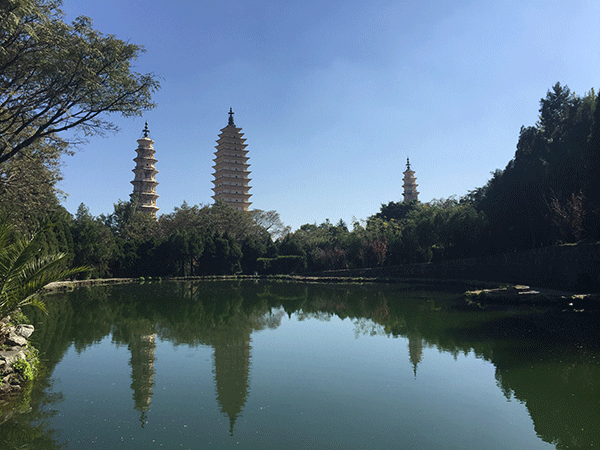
(524, 295)
(70, 285)
(17, 360)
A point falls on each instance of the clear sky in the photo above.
(333, 96)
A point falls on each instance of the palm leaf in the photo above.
(25, 270)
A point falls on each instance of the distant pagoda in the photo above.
(231, 168)
(144, 183)
(410, 184)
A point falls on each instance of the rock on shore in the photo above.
(17, 360)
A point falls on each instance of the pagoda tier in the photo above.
(231, 183)
(144, 183)
(410, 184)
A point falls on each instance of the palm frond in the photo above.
(25, 270)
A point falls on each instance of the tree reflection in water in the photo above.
(554, 371)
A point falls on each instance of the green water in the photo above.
(271, 365)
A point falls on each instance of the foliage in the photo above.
(28, 192)
(591, 184)
(24, 368)
(129, 223)
(271, 222)
(524, 202)
(18, 318)
(28, 367)
(281, 264)
(548, 193)
(251, 250)
(191, 241)
(569, 217)
(396, 210)
(398, 234)
(25, 270)
(94, 244)
(56, 76)
(214, 239)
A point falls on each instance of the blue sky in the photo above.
(333, 96)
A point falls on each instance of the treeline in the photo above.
(190, 241)
(548, 194)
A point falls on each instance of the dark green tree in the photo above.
(128, 223)
(396, 210)
(549, 168)
(94, 244)
(251, 251)
(591, 186)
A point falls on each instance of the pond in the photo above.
(281, 365)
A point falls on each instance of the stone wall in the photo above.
(565, 267)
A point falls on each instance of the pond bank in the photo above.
(488, 292)
(18, 360)
(61, 286)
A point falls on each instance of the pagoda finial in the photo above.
(407, 163)
(231, 117)
(146, 130)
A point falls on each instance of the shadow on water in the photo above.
(545, 358)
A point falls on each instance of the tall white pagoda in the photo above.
(410, 184)
(144, 182)
(231, 168)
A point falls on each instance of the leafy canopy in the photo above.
(56, 76)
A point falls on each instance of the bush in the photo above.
(282, 265)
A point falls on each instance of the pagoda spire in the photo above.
(410, 184)
(144, 182)
(231, 183)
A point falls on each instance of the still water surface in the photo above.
(292, 366)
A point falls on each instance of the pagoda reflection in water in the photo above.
(231, 363)
(142, 348)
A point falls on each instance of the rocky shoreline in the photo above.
(18, 360)
(525, 295)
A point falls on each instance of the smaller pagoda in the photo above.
(144, 182)
(410, 184)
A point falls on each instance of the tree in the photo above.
(271, 222)
(28, 192)
(569, 217)
(228, 254)
(237, 224)
(524, 203)
(396, 210)
(25, 270)
(94, 244)
(127, 222)
(55, 76)
(219, 217)
(592, 180)
(251, 251)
